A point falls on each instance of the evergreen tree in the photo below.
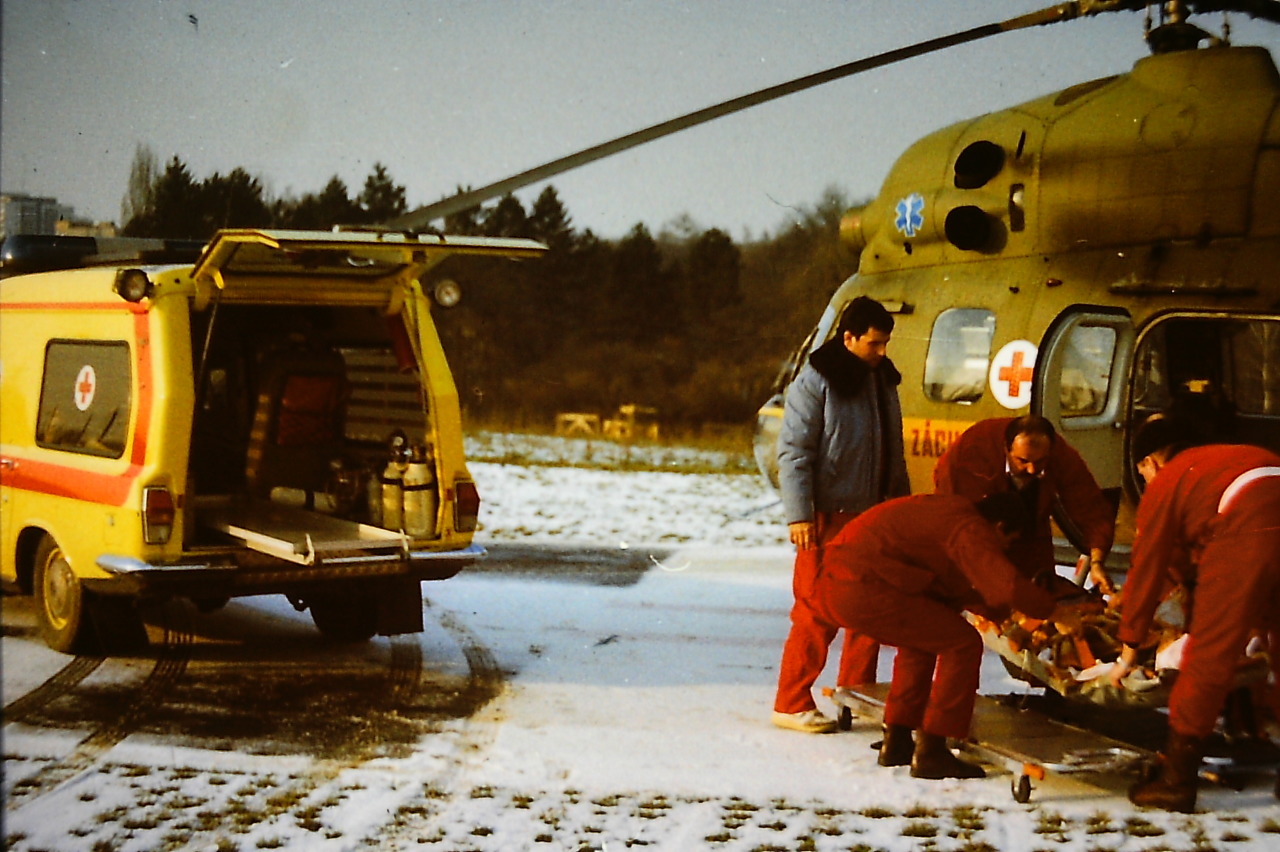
(381, 199)
(234, 201)
(174, 210)
(549, 222)
(506, 219)
(332, 206)
(712, 276)
(642, 306)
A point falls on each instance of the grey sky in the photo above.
(449, 93)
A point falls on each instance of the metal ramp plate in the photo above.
(295, 534)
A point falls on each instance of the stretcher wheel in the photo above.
(844, 719)
(1022, 789)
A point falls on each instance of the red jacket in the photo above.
(1177, 516)
(937, 546)
(976, 466)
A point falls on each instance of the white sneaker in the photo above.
(808, 722)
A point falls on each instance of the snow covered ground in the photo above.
(630, 715)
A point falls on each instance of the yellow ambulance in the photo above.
(274, 415)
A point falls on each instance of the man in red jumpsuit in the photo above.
(901, 573)
(1209, 521)
(1024, 455)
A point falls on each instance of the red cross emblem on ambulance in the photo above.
(1011, 373)
(86, 387)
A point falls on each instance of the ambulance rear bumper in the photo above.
(223, 575)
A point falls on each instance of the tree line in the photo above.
(686, 321)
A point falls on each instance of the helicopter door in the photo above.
(1080, 383)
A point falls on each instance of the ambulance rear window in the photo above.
(85, 398)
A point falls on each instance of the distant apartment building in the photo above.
(32, 214)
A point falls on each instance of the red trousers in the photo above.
(1237, 590)
(938, 666)
(805, 653)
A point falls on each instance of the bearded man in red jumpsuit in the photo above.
(1209, 520)
(901, 573)
(1025, 456)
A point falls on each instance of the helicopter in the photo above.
(1097, 255)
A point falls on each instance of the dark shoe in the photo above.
(1177, 777)
(934, 760)
(897, 746)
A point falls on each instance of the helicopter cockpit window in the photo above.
(1086, 370)
(955, 370)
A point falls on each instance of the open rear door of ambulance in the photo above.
(355, 269)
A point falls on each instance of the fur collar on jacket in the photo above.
(846, 372)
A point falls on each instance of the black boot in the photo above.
(933, 759)
(897, 746)
(1177, 777)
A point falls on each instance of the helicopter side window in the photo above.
(1086, 370)
(955, 370)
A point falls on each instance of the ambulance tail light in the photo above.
(158, 513)
(466, 507)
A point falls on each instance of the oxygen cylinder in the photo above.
(420, 495)
(393, 495)
(392, 481)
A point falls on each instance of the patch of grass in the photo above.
(919, 828)
(876, 813)
(114, 815)
(1055, 824)
(1099, 823)
(968, 820)
(1137, 826)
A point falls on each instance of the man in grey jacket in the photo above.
(839, 453)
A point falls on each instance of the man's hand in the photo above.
(1098, 572)
(1123, 665)
(804, 534)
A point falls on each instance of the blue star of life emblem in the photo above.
(910, 212)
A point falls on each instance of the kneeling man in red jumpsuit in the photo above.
(901, 573)
(1210, 521)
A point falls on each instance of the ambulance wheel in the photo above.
(1022, 789)
(345, 618)
(60, 601)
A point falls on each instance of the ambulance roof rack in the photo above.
(24, 253)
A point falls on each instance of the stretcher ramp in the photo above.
(295, 534)
(1026, 743)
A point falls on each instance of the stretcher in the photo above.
(1032, 737)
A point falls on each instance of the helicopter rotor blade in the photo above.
(421, 217)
